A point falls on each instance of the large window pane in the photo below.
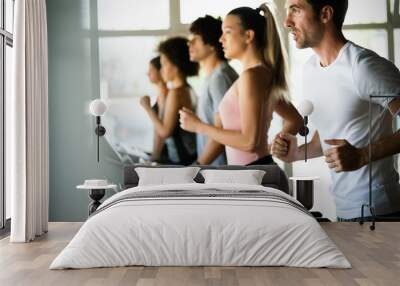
(123, 65)
(366, 11)
(397, 46)
(376, 40)
(9, 15)
(123, 79)
(133, 14)
(192, 9)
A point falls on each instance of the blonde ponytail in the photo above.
(275, 55)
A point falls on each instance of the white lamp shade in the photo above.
(306, 108)
(97, 107)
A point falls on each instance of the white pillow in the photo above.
(163, 176)
(248, 177)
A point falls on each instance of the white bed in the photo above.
(225, 225)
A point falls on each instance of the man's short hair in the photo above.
(339, 8)
(210, 30)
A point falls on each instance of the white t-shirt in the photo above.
(340, 94)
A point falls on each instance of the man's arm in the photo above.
(345, 157)
(285, 148)
(212, 149)
(388, 146)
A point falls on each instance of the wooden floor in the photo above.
(374, 255)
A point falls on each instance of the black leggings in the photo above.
(267, 160)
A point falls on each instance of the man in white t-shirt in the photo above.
(339, 80)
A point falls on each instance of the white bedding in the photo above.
(185, 231)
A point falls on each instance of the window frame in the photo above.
(392, 23)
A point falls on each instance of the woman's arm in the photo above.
(292, 120)
(252, 88)
(158, 146)
(165, 127)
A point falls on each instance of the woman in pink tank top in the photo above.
(245, 112)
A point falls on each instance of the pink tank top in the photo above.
(229, 112)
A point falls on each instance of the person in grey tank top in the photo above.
(205, 49)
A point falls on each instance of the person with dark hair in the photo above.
(175, 68)
(205, 49)
(159, 153)
(245, 112)
(339, 79)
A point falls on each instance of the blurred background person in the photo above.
(175, 68)
(160, 152)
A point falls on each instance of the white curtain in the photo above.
(27, 134)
